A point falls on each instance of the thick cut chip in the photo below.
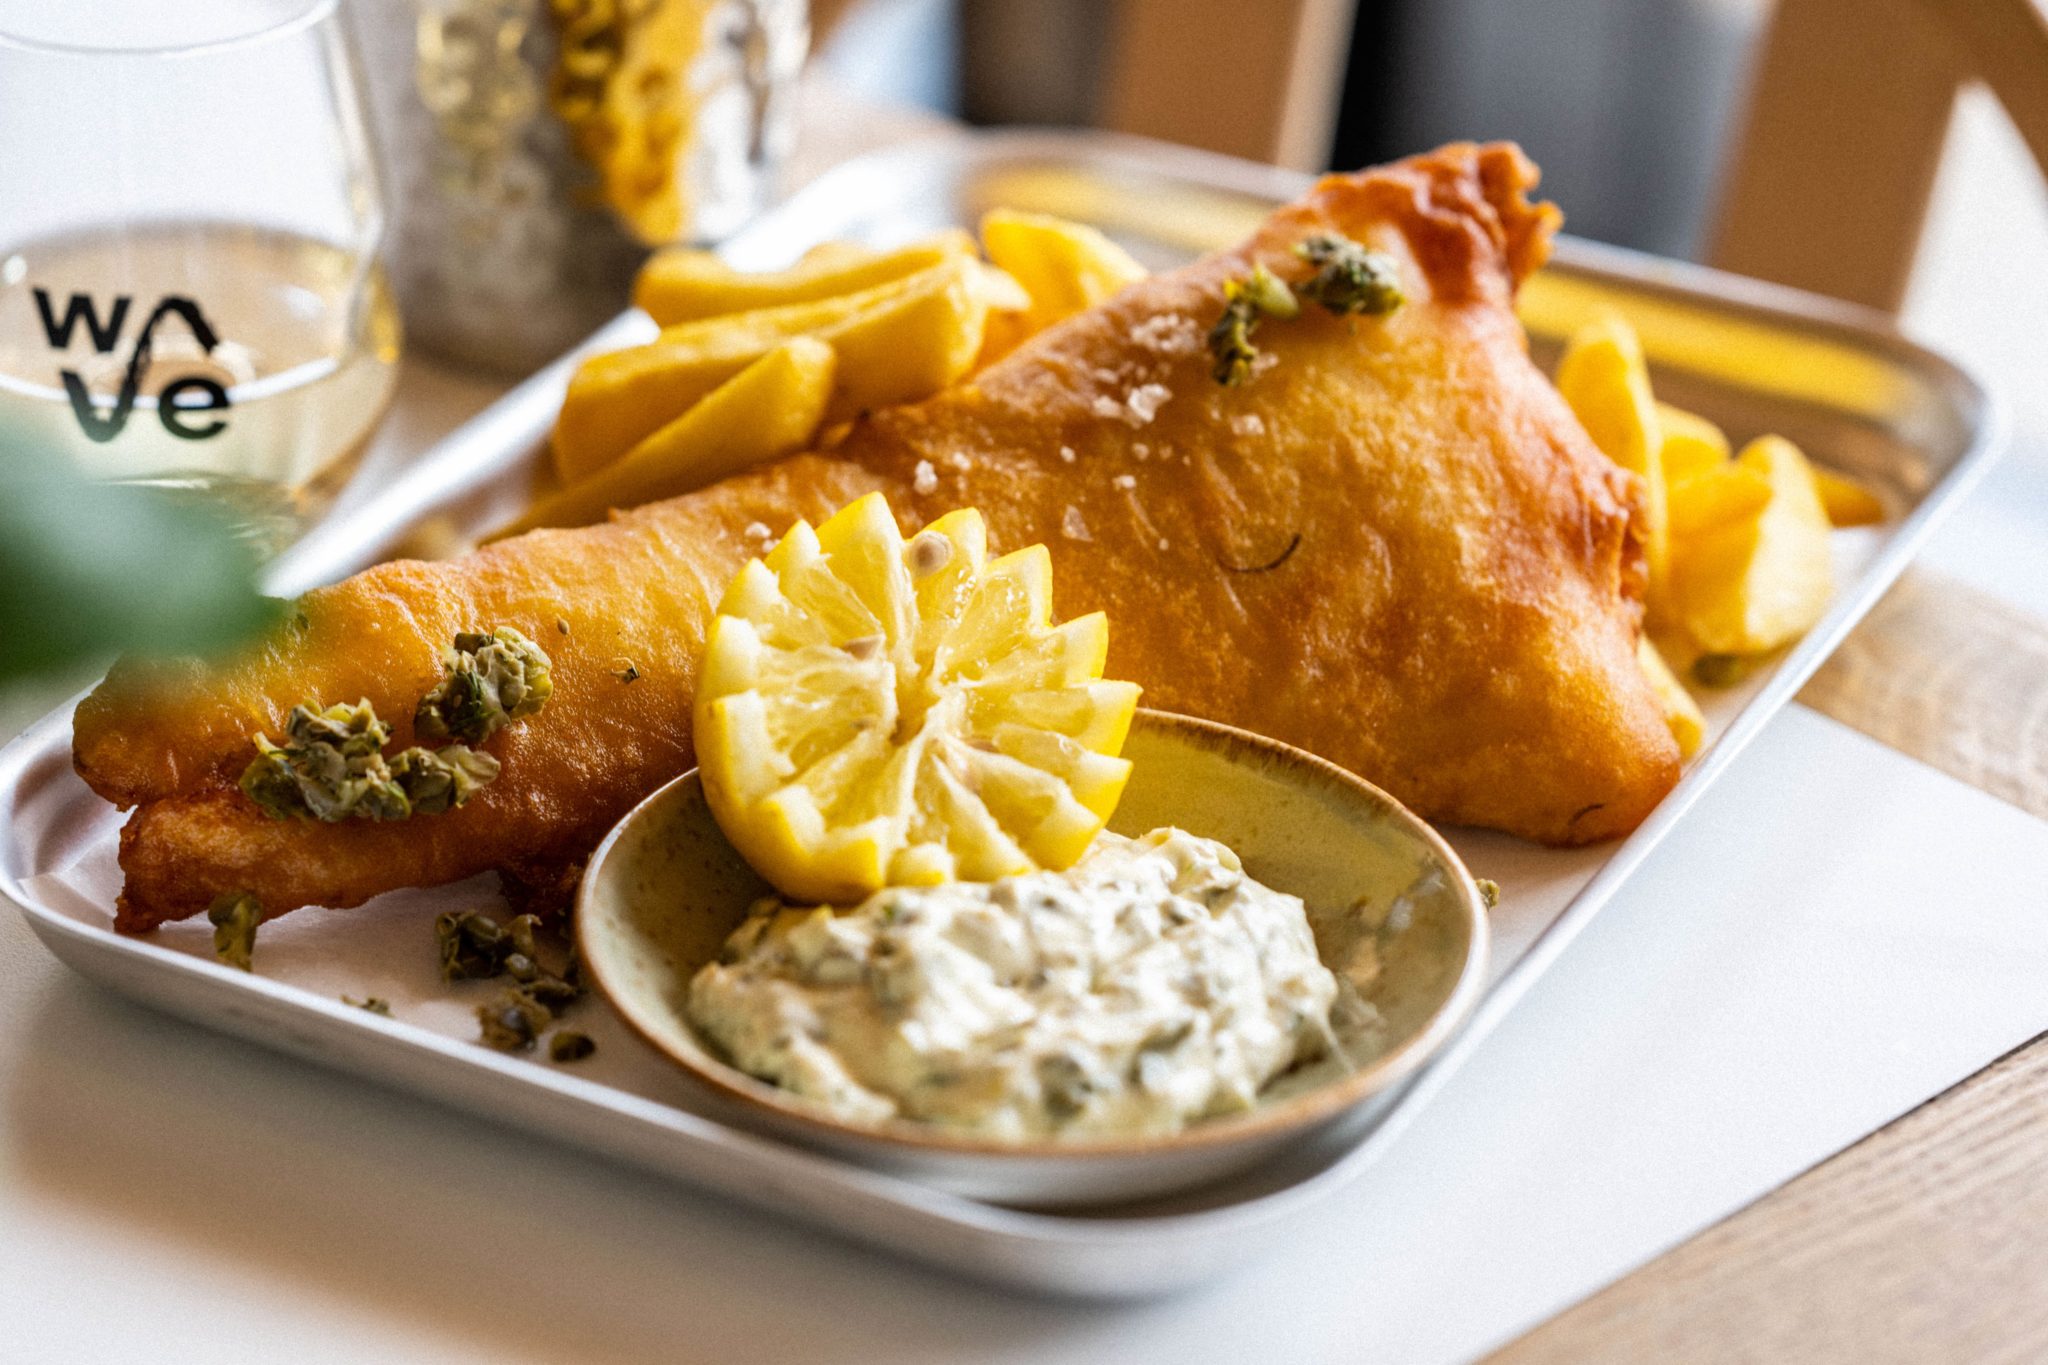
(1063, 268)
(897, 342)
(875, 712)
(1757, 581)
(1713, 499)
(1605, 379)
(1691, 444)
(771, 408)
(1688, 724)
(685, 284)
(1848, 502)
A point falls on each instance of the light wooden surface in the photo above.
(1828, 185)
(1955, 678)
(1922, 1243)
(1849, 111)
(1254, 80)
(2004, 43)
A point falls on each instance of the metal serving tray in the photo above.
(1755, 358)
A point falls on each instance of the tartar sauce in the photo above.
(1150, 985)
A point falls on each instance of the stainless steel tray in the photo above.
(1755, 358)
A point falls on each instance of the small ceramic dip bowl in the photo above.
(1390, 904)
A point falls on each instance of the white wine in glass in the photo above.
(193, 299)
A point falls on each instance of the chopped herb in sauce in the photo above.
(513, 1021)
(234, 918)
(520, 930)
(1489, 891)
(1245, 302)
(374, 1004)
(627, 671)
(492, 680)
(332, 767)
(436, 780)
(1721, 670)
(569, 1045)
(553, 991)
(1349, 278)
(472, 946)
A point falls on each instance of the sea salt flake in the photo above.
(1066, 454)
(1162, 542)
(757, 531)
(924, 478)
(1072, 526)
(1141, 451)
(1173, 334)
(1104, 406)
(1124, 481)
(959, 462)
(1145, 401)
(1248, 424)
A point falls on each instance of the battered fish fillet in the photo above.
(1394, 546)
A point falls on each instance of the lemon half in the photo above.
(873, 712)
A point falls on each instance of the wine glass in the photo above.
(190, 294)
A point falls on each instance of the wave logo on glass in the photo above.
(106, 336)
(219, 358)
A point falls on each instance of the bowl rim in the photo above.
(1301, 1112)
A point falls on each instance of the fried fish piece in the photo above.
(1393, 545)
(628, 600)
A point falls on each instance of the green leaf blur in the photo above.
(88, 570)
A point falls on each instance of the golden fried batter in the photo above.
(1394, 546)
